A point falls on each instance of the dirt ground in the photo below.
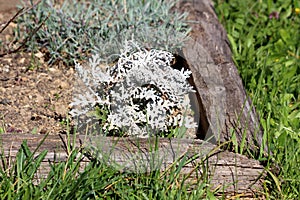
(34, 96)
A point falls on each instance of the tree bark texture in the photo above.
(223, 103)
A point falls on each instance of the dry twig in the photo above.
(23, 43)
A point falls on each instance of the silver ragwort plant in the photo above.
(141, 93)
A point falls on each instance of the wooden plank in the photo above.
(222, 100)
(232, 172)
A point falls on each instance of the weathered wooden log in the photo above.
(223, 107)
(232, 173)
(223, 103)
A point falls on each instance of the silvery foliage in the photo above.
(74, 29)
(143, 93)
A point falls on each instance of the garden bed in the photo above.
(35, 98)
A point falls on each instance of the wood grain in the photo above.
(222, 100)
(231, 173)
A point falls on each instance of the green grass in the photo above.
(266, 52)
(97, 181)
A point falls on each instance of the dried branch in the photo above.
(23, 43)
(19, 13)
(12, 19)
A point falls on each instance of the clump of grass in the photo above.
(66, 180)
(265, 41)
(77, 29)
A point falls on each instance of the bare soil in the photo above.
(34, 96)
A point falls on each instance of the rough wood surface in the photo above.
(223, 103)
(232, 173)
(223, 106)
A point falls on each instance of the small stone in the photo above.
(6, 68)
(2, 89)
(22, 61)
(5, 101)
(39, 54)
(53, 70)
(24, 79)
(64, 85)
(13, 25)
